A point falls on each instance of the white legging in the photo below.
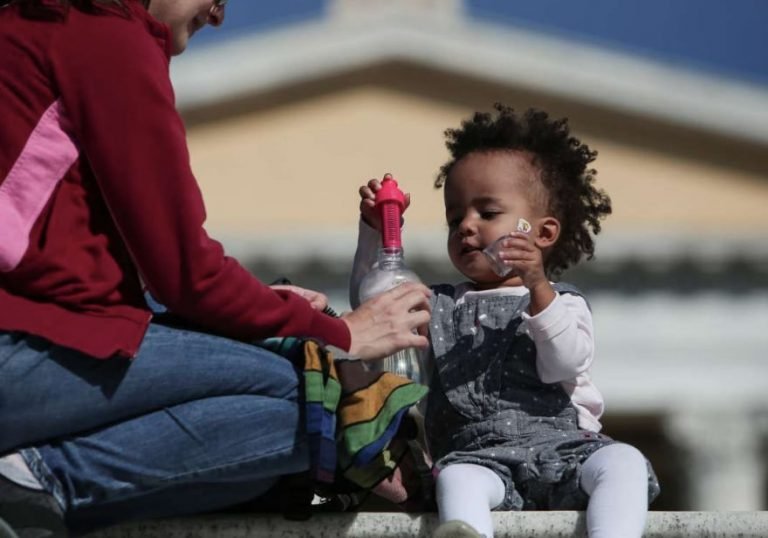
(615, 477)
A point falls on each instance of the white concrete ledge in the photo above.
(391, 525)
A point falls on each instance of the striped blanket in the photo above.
(358, 425)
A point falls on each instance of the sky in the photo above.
(729, 38)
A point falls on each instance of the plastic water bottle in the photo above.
(390, 271)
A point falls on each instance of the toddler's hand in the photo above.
(368, 203)
(519, 252)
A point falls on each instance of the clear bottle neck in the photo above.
(390, 257)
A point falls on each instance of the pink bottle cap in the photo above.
(390, 202)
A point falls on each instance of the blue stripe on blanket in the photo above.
(369, 452)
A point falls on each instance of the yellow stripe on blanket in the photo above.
(361, 434)
(314, 360)
(366, 403)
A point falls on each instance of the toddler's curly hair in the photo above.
(563, 164)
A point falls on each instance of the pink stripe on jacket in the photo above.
(46, 157)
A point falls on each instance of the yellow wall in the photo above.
(297, 166)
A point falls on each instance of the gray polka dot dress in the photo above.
(487, 405)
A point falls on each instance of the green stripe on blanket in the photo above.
(319, 390)
(360, 435)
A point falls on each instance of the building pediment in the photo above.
(354, 40)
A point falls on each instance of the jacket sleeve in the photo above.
(116, 89)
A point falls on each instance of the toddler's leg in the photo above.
(468, 493)
(616, 479)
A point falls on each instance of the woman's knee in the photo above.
(219, 365)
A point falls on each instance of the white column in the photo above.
(723, 465)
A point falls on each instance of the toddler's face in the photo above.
(485, 196)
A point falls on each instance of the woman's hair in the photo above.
(48, 10)
(562, 161)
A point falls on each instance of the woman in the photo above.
(105, 413)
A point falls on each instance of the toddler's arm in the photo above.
(368, 243)
(368, 237)
(564, 338)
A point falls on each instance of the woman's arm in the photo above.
(119, 98)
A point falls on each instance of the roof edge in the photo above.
(254, 64)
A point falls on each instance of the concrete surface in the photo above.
(387, 524)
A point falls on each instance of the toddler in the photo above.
(513, 418)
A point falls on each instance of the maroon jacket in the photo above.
(97, 195)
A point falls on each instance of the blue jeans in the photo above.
(194, 423)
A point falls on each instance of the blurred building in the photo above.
(285, 123)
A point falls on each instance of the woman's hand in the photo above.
(368, 202)
(386, 323)
(317, 300)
